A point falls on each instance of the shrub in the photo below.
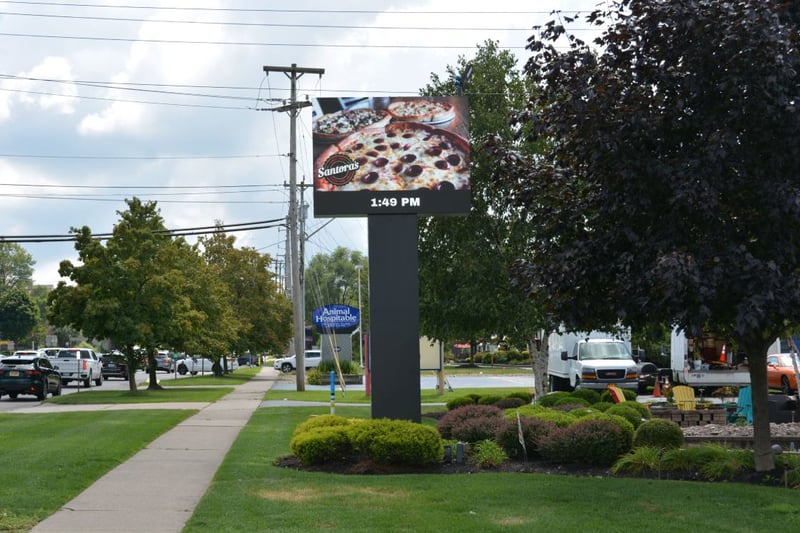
(591, 396)
(459, 401)
(526, 410)
(622, 422)
(321, 421)
(627, 412)
(602, 406)
(526, 397)
(644, 410)
(659, 433)
(639, 462)
(592, 442)
(509, 403)
(709, 461)
(477, 429)
(488, 454)
(533, 430)
(406, 443)
(583, 411)
(321, 445)
(489, 399)
(465, 412)
(314, 377)
(549, 400)
(568, 404)
(559, 418)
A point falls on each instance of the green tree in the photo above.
(263, 312)
(466, 289)
(131, 291)
(668, 190)
(18, 315)
(16, 267)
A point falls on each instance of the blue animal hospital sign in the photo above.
(336, 317)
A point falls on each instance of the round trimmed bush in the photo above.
(659, 433)
(591, 396)
(602, 406)
(526, 397)
(509, 403)
(407, 443)
(321, 421)
(489, 399)
(549, 400)
(591, 442)
(459, 415)
(572, 401)
(533, 430)
(459, 401)
(627, 412)
(321, 445)
(644, 411)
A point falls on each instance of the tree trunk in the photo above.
(151, 372)
(762, 446)
(538, 348)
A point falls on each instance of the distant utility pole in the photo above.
(293, 107)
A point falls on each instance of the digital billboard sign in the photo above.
(391, 155)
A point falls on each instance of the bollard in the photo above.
(460, 449)
(448, 454)
(333, 392)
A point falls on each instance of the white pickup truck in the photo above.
(78, 364)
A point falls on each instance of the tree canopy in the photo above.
(668, 188)
(16, 266)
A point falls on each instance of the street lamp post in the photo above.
(360, 333)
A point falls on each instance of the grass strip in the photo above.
(177, 394)
(48, 459)
(249, 493)
(360, 396)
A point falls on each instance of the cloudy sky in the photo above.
(100, 103)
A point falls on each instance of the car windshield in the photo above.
(17, 362)
(603, 350)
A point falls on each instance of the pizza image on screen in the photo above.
(422, 110)
(398, 156)
(336, 126)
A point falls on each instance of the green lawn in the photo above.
(48, 459)
(360, 396)
(176, 394)
(249, 493)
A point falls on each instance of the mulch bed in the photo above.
(774, 478)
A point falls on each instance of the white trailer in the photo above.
(708, 361)
(590, 360)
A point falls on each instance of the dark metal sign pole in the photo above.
(394, 317)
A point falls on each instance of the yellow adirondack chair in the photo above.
(684, 398)
(616, 393)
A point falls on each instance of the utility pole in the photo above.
(293, 107)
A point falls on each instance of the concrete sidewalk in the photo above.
(157, 489)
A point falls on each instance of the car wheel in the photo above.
(64, 382)
(194, 372)
(12, 395)
(785, 388)
(57, 392)
(42, 394)
(88, 381)
(286, 367)
(99, 381)
(182, 370)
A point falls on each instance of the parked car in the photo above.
(247, 360)
(164, 362)
(647, 373)
(79, 364)
(780, 372)
(195, 365)
(33, 375)
(288, 364)
(114, 366)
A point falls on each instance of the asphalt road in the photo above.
(7, 404)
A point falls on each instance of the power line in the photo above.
(253, 10)
(261, 24)
(49, 185)
(199, 230)
(244, 43)
(138, 158)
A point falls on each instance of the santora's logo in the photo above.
(338, 170)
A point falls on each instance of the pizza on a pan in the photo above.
(422, 110)
(399, 156)
(336, 126)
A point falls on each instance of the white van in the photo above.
(590, 360)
